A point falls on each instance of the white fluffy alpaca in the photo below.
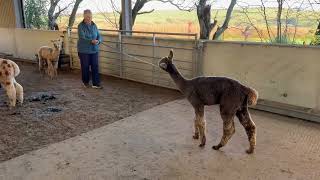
(8, 71)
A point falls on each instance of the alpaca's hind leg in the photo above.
(19, 92)
(42, 67)
(246, 121)
(200, 125)
(40, 63)
(228, 130)
(55, 72)
(11, 92)
(196, 128)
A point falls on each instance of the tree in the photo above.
(53, 14)
(35, 13)
(317, 2)
(279, 25)
(139, 4)
(280, 22)
(225, 24)
(136, 10)
(73, 13)
(318, 29)
(203, 12)
(204, 18)
(113, 21)
(316, 39)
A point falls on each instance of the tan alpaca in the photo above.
(49, 57)
(8, 71)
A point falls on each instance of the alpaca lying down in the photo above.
(233, 98)
(8, 71)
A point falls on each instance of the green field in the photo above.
(300, 26)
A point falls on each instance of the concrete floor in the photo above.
(158, 144)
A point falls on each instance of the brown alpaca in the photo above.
(232, 97)
(8, 71)
(49, 57)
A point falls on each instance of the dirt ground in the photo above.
(55, 110)
(157, 144)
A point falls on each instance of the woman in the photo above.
(88, 49)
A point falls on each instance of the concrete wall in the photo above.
(24, 43)
(282, 74)
(7, 41)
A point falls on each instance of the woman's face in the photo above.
(87, 18)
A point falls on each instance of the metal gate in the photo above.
(129, 54)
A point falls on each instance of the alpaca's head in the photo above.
(166, 62)
(57, 43)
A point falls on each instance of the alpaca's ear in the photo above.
(170, 54)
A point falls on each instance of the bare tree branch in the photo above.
(263, 8)
(178, 5)
(57, 14)
(52, 15)
(146, 12)
(279, 26)
(245, 12)
(73, 13)
(112, 21)
(221, 29)
(296, 25)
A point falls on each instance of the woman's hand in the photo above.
(95, 42)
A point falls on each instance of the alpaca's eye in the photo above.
(163, 65)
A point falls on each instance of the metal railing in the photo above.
(120, 44)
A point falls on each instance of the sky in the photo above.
(95, 5)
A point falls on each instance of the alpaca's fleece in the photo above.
(8, 71)
(49, 57)
(232, 97)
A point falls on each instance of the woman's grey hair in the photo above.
(87, 11)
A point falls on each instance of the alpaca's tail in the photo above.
(252, 96)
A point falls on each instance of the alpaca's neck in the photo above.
(56, 52)
(177, 77)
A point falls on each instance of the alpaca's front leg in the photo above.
(200, 125)
(55, 68)
(44, 67)
(11, 93)
(55, 72)
(50, 69)
(19, 92)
